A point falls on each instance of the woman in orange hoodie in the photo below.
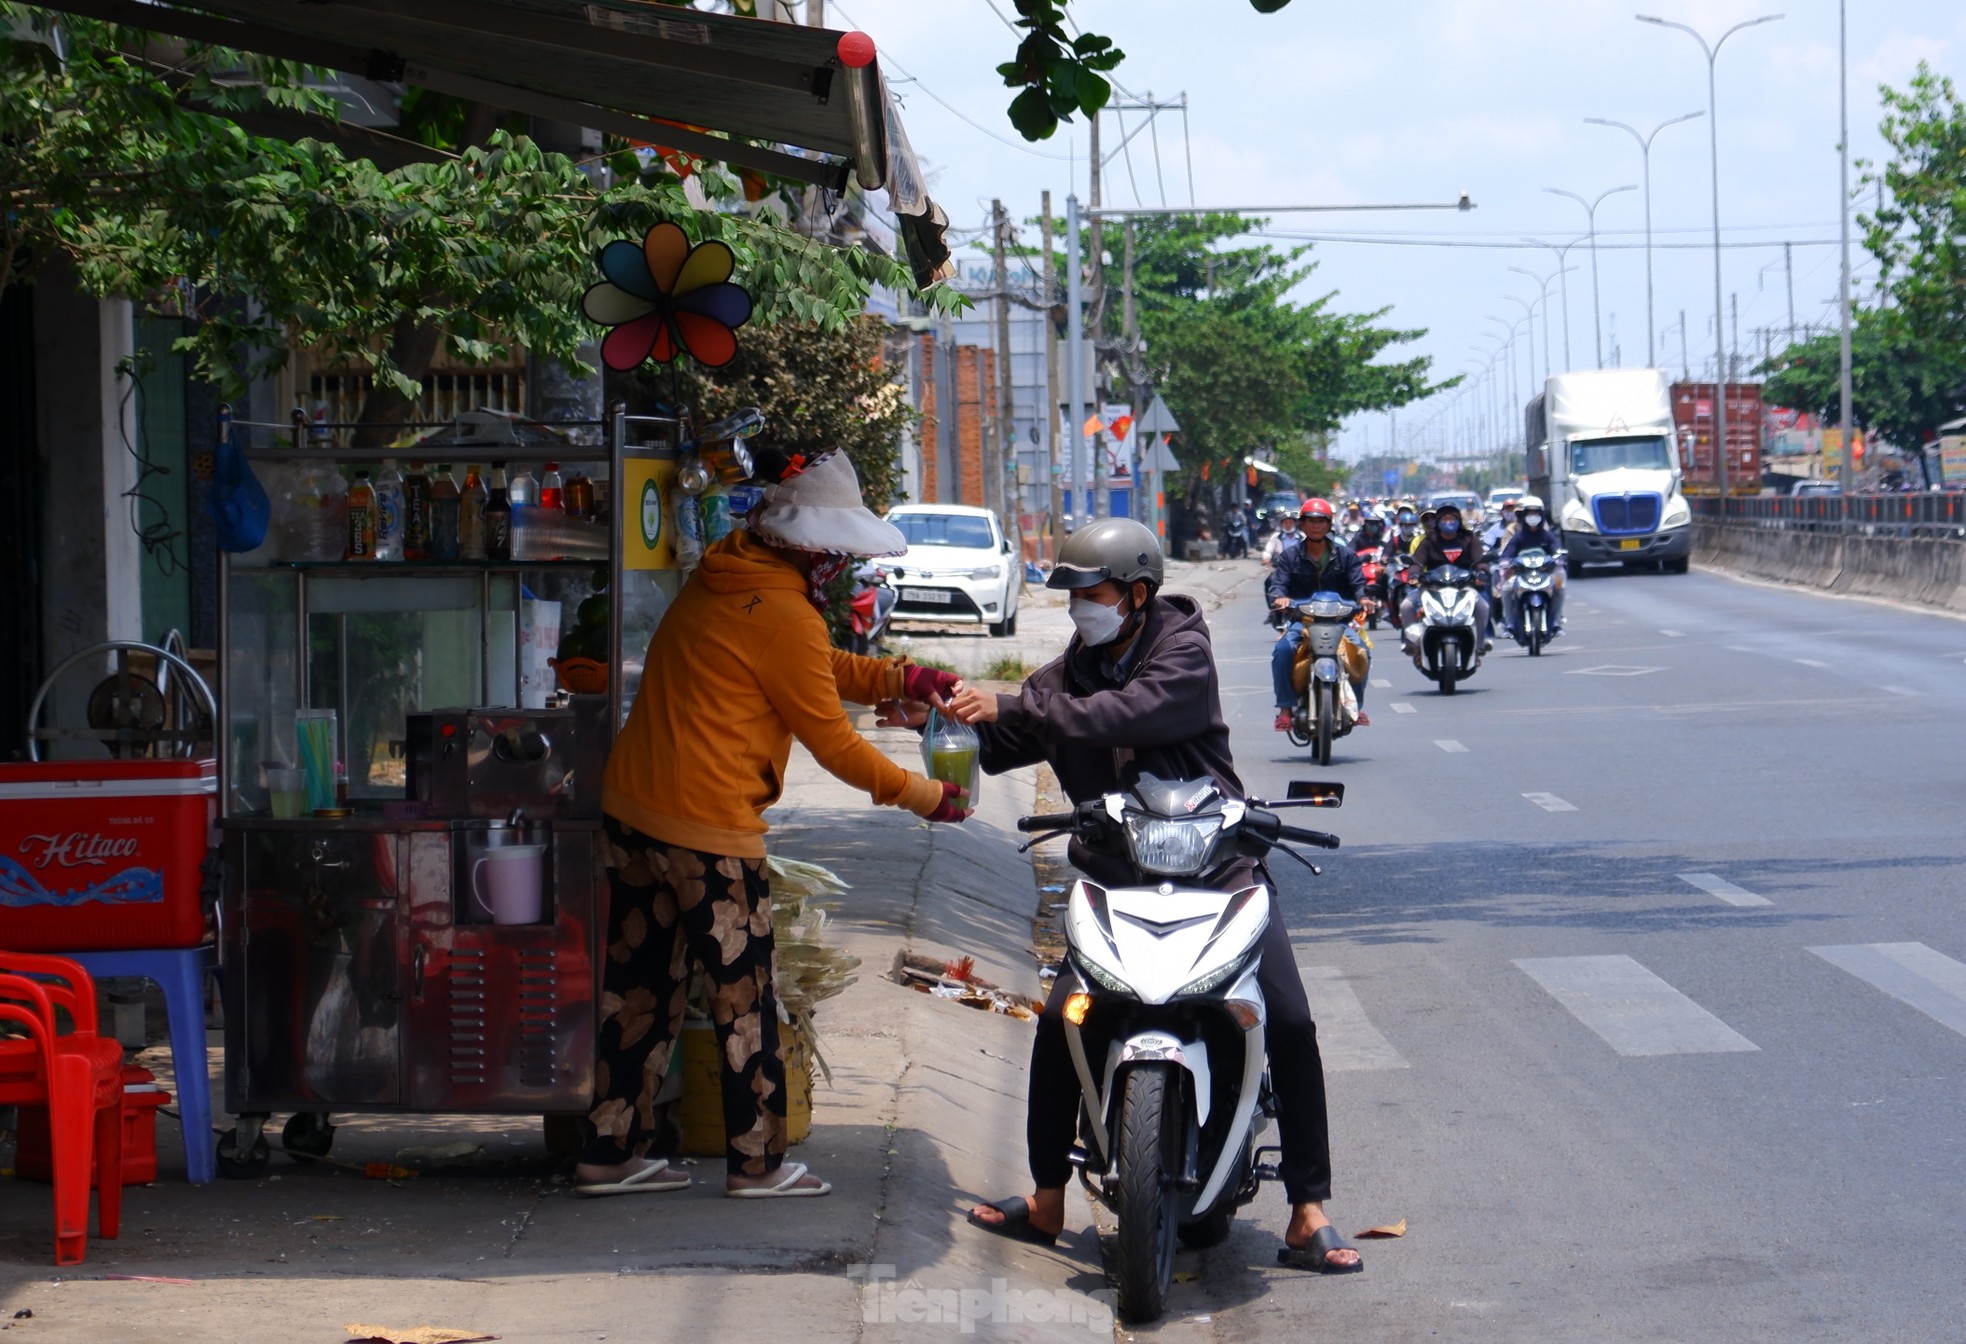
(740, 665)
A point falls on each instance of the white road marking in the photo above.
(1673, 634)
(1611, 670)
(1635, 1011)
(1737, 648)
(1449, 745)
(1347, 1040)
(1401, 707)
(1911, 973)
(1382, 684)
(1549, 802)
(1715, 885)
(1810, 662)
(1899, 690)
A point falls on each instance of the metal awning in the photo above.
(649, 72)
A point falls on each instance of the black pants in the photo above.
(1296, 1075)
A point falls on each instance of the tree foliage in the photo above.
(116, 151)
(1242, 365)
(1908, 356)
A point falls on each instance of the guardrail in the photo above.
(1919, 515)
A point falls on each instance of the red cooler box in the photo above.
(100, 855)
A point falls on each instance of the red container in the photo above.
(34, 1158)
(101, 855)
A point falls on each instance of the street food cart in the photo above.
(427, 938)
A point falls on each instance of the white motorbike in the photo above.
(1445, 641)
(1165, 1027)
(1531, 593)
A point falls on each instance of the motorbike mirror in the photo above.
(1316, 793)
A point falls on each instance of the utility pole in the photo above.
(1685, 360)
(995, 487)
(1846, 472)
(1734, 345)
(1143, 505)
(1788, 260)
(1056, 519)
(1102, 500)
(1075, 356)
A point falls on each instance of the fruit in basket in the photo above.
(585, 641)
(593, 612)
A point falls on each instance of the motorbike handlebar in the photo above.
(1048, 821)
(1300, 835)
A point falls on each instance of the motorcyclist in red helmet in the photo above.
(1320, 564)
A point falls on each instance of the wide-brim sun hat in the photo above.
(820, 510)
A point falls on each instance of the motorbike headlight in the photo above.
(1170, 847)
(1218, 977)
(1090, 971)
(987, 572)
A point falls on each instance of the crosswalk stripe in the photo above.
(1346, 1037)
(1673, 634)
(1382, 683)
(1549, 802)
(1715, 885)
(1449, 745)
(1635, 1011)
(1401, 707)
(1911, 973)
(1811, 662)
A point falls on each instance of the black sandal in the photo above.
(1316, 1257)
(1016, 1224)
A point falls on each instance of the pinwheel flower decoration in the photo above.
(666, 298)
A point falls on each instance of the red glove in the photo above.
(928, 684)
(947, 811)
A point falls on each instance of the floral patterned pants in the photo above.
(674, 912)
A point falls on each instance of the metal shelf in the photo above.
(467, 452)
(392, 568)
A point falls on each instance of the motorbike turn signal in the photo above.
(1076, 1007)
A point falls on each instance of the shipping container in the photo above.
(1693, 414)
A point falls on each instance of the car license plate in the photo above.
(1629, 544)
(938, 596)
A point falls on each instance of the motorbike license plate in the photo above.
(1630, 544)
(939, 596)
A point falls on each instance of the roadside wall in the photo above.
(1927, 570)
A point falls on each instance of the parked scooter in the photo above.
(1530, 591)
(1166, 1028)
(871, 606)
(1325, 707)
(1445, 641)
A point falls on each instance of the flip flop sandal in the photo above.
(1016, 1223)
(1315, 1256)
(655, 1178)
(788, 1186)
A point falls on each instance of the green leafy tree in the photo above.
(119, 153)
(1919, 236)
(1900, 387)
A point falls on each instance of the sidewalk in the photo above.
(924, 1116)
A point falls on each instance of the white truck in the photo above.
(1602, 454)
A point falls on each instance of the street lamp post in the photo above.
(1645, 158)
(1590, 214)
(1846, 473)
(1543, 283)
(1528, 307)
(1563, 270)
(1712, 52)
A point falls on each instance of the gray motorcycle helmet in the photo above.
(1109, 548)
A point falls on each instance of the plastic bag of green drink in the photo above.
(950, 754)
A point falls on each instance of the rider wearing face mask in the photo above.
(1322, 564)
(1450, 542)
(1136, 692)
(1534, 532)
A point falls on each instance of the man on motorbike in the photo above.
(1371, 534)
(1406, 529)
(1322, 564)
(1348, 526)
(1136, 692)
(1533, 532)
(1449, 542)
(1497, 532)
(1283, 538)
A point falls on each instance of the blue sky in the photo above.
(1417, 101)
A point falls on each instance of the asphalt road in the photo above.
(1639, 980)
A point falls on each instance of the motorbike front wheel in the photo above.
(1326, 726)
(1150, 1145)
(1535, 632)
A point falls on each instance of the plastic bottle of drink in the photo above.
(524, 493)
(416, 514)
(552, 490)
(471, 516)
(389, 512)
(580, 495)
(361, 519)
(498, 517)
(446, 508)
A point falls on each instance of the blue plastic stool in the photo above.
(180, 973)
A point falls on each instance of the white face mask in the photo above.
(1097, 623)
(1532, 520)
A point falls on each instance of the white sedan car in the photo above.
(958, 569)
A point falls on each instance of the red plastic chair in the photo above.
(78, 1077)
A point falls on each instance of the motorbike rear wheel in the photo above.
(1148, 1205)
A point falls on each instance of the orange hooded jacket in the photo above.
(740, 665)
